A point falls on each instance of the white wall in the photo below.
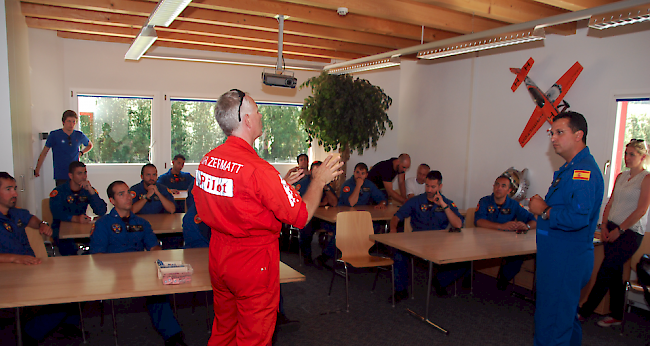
(6, 155)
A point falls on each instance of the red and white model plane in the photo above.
(548, 104)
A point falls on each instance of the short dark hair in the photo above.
(425, 165)
(316, 164)
(361, 165)
(301, 155)
(503, 176)
(6, 176)
(179, 156)
(69, 114)
(109, 190)
(74, 165)
(577, 122)
(145, 166)
(435, 175)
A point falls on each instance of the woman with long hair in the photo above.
(622, 230)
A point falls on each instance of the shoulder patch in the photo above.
(581, 175)
(298, 186)
(168, 190)
(132, 194)
(453, 205)
(54, 193)
(197, 219)
(346, 189)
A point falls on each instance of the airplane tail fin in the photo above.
(521, 73)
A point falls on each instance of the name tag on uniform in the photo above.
(214, 185)
(506, 211)
(581, 175)
(134, 228)
(365, 189)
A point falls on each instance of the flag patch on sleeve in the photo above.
(581, 175)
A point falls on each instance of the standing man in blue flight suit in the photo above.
(65, 144)
(69, 202)
(150, 197)
(176, 180)
(123, 231)
(499, 211)
(428, 211)
(565, 232)
(15, 248)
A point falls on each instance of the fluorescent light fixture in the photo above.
(233, 62)
(495, 41)
(142, 42)
(621, 17)
(166, 11)
(367, 66)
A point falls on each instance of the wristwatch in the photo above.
(45, 223)
(545, 213)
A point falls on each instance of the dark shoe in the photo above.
(502, 284)
(467, 282)
(67, 331)
(321, 261)
(175, 340)
(284, 324)
(399, 296)
(440, 291)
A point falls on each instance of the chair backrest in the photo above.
(45, 210)
(352, 231)
(36, 242)
(407, 225)
(643, 249)
(469, 218)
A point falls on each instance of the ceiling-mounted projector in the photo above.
(280, 80)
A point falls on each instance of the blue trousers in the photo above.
(446, 275)
(162, 316)
(306, 237)
(48, 317)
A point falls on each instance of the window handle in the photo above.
(606, 166)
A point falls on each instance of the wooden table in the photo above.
(470, 244)
(160, 223)
(105, 276)
(329, 213)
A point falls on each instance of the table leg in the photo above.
(81, 322)
(426, 314)
(19, 331)
(471, 277)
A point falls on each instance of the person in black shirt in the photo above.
(383, 173)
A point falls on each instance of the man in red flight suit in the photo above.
(244, 200)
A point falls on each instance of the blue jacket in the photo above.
(13, 238)
(368, 190)
(181, 181)
(64, 204)
(195, 232)
(110, 234)
(426, 215)
(575, 197)
(511, 210)
(302, 185)
(65, 150)
(154, 206)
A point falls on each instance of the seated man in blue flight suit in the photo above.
(123, 231)
(195, 232)
(428, 211)
(499, 211)
(69, 202)
(176, 180)
(307, 233)
(15, 248)
(356, 191)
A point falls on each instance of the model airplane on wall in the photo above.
(547, 104)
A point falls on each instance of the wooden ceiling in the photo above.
(313, 32)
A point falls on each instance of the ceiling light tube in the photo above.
(166, 11)
(622, 17)
(496, 41)
(367, 66)
(142, 42)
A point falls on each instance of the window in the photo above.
(633, 116)
(119, 128)
(194, 131)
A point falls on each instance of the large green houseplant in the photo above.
(345, 113)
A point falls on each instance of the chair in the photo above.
(36, 242)
(353, 229)
(469, 218)
(45, 210)
(634, 291)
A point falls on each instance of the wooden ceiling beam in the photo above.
(509, 11)
(575, 5)
(124, 20)
(102, 38)
(183, 38)
(198, 15)
(410, 12)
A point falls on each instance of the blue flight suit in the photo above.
(13, 240)
(181, 181)
(65, 149)
(368, 191)
(565, 250)
(425, 216)
(111, 234)
(511, 210)
(154, 206)
(64, 204)
(302, 185)
(195, 232)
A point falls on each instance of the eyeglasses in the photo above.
(241, 100)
